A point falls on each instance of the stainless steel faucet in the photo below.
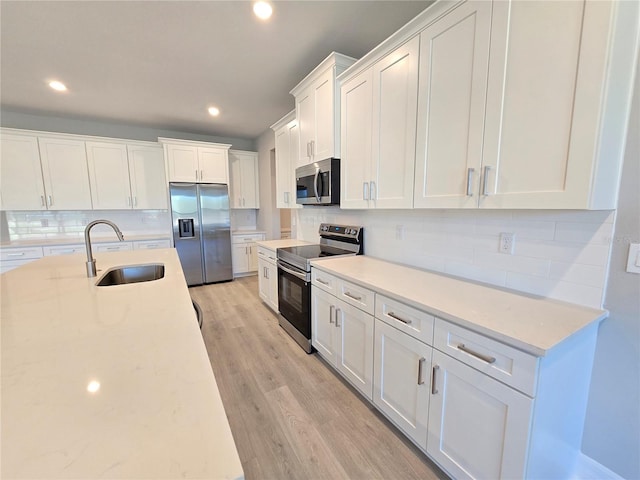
(91, 262)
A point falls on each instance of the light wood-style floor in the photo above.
(291, 416)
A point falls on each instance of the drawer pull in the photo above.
(484, 358)
(434, 390)
(348, 294)
(113, 248)
(322, 281)
(21, 254)
(420, 364)
(393, 315)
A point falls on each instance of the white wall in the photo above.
(11, 119)
(612, 426)
(268, 215)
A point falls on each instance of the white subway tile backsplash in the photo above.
(558, 254)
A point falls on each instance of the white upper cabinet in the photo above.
(287, 144)
(109, 175)
(318, 110)
(520, 105)
(244, 191)
(454, 53)
(558, 97)
(126, 176)
(147, 176)
(21, 186)
(190, 161)
(65, 173)
(378, 121)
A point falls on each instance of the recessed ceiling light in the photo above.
(213, 111)
(58, 86)
(262, 10)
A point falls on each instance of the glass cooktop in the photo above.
(310, 252)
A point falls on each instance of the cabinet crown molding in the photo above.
(289, 117)
(193, 143)
(337, 60)
(76, 136)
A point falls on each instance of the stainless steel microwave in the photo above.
(319, 183)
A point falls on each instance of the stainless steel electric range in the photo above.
(294, 276)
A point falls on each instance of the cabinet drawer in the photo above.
(247, 238)
(7, 265)
(20, 253)
(410, 320)
(151, 244)
(502, 362)
(325, 281)
(113, 247)
(64, 249)
(356, 295)
(268, 254)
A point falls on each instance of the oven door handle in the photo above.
(292, 272)
(315, 184)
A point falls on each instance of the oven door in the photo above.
(294, 297)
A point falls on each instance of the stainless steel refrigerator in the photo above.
(202, 231)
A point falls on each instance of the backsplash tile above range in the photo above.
(558, 254)
(23, 225)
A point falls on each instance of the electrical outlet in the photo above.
(399, 232)
(507, 242)
(633, 260)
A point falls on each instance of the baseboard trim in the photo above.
(589, 469)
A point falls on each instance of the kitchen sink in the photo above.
(132, 274)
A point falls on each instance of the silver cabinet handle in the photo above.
(322, 281)
(485, 178)
(348, 294)
(267, 269)
(434, 390)
(469, 177)
(246, 251)
(42, 203)
(50, 200)
(201, 175)
(331, 313)
(21, 254)
(374, 192)
(286, 197)
(338, 313)
(365, 190)
(113, 248)
(393, 315)
(484, 358)
(420, 364)
(309, 149)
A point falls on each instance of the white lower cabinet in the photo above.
(401, 380)
(244, 253)
(478, 427)
(268, 277)
(343, 335)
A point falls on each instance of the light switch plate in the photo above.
(633, 261)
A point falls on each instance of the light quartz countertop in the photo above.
(530, 323)
(157, 412)
(281, 243)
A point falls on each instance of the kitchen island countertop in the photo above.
(107, 382)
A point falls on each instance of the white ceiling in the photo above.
(162, 63)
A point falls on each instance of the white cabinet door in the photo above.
(240, 258)
(65, 173)
(21, 186)
(355, 346)
(183, 163)
(323, 330)
(401, 380)
(147, 175)
(478, 427)
(286, 153)
(243, 179)
(355, 165)
(305, 113)
(454, 53)
(213, 165)
(253, 257)
(324, 128)
(294, 152)
(395, 98)
(109, 175)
